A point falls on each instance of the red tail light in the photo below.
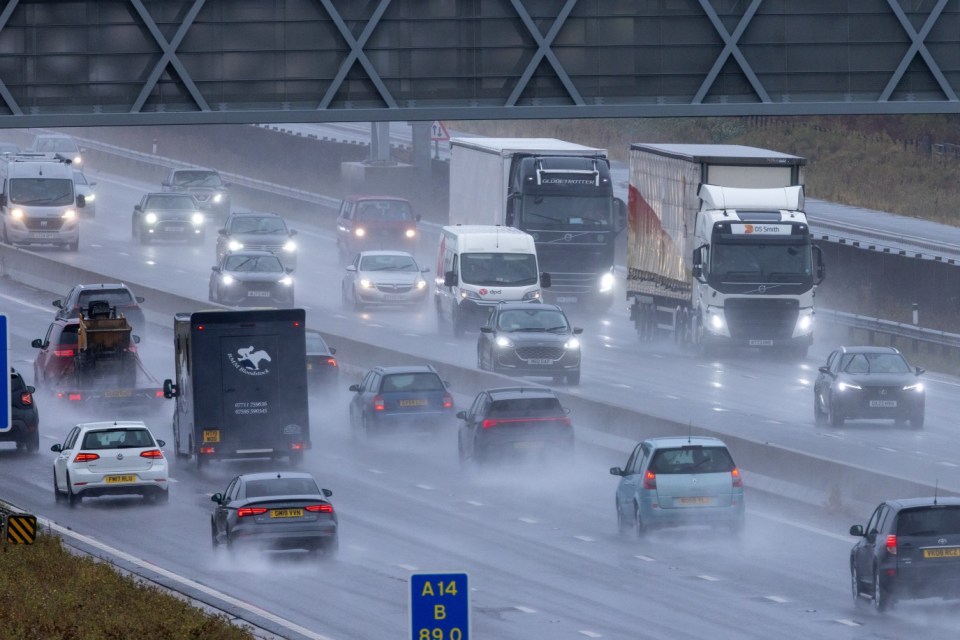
(206, 450)
(492, 422)
(250, 511)
(153, 454)
(297, 446)
(63, 353)
(378, 403)
(74, 397)
(319, 508)
(486, 424)
(86, 457)
(447, 401)
(649, 480)
(26, 398)
(332, 362)
(892, 545)
(737, 478)
(158, 393)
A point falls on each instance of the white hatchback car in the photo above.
(110, 458)
(384, 277)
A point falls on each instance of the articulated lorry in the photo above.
(559, 192)
(718, 248)
(241, 385)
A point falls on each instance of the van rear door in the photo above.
(251, 409)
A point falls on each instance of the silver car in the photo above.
(84, 187)
(384, 277)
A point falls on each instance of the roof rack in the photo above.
(32, 156)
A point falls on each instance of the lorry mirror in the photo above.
(450, 279)
(164, 184)
(327, 493)
(217, 497)
(81, 201)
(697, 272)
(3, 199)
(37, 343)
(136, 339)
(821, 267)
(544, 280)
(417, 217)
(169, 389)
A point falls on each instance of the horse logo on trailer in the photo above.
(249, 360)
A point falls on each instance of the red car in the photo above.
(375, 222)
(57, 350)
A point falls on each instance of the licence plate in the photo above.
(258, 294)
(173, 229)
(528, 445)
(286, 513)
(212, 435)
(761, 343)
(394, 297)
(883, 403)
(539, 361)
(117, 393)
(119, 479)
(567, 298)
(413, 403)
(697, 501)
(44, 234)
(942, 553)
(309, 366)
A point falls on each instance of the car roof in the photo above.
(412, 368)
(506, 306)
(906, 503)
(385, 252)
(102, 285)
(255, 214)
(251, 252)
(505, 393)
(356, 198)
(669, 442)
(196, 169)
(110, 425)
(267, 475)
(868, 349)
(167, 194)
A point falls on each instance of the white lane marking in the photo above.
(589, 634)
(529, 520)
(672, 397)
(621, 385)
(776, 599)
(947, 464)
(708, 578)
(645, 558)
(805, 527)
(24, 303)
(411, 335)
(246, 606)
(888, 449)
(425, 487)
(585, 538)
(773, 422)
(376, 471)
(522, 609)
(720, 409)
(408, 567)
(475, 503)
(849, 623)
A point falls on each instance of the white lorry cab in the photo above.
(479, 266)
(38, 203)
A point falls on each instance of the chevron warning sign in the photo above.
(21, 528)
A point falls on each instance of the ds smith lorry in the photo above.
(559, 192)
(241, 385)
(718, 247)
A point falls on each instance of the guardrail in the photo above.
(888, 327)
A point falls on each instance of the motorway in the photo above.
(540, 545)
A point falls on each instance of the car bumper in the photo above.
(507, 361)
(426, 420)
(923, 581)
(243, 298)
(654, 515)
(524, 446)
(20, 431)
(857, 406)
(92, 483)
(413, 296)
(174, 231)
(284, 535)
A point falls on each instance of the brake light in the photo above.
(737, 478)
(892, 545)
(86, 457)
(250, 511)
(447, 401)
(649, 480)
(158, 393)
(486, 424)
(297, 446)
(74, 397)
(492, 422)
(332, 362)
(63, 353)
(26, 398)
(206, 450)
(153, 454)
(319, 508)
(378, 403)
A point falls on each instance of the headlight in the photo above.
(504, 342)
(197, 218)
(473, 295)
(227, 279)
(607, 281)
(716, 321)
(90, 197)
(843, 386)
(532, 295)
(151, 218)
(918, 387)
(421, 284)
(804, 323)
(286, 281)
(69, 214)
(410, 233)
(234, 245)
(572, 343)
(359, 232)
(17, 214)
(290, 246)
(217, 197)
(367, 284)
(77, 160)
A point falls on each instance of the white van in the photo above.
(38, 203)
(481, 265)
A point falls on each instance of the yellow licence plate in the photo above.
(286, 513)
(413, 403)
(212, 435)
(942, 553)
(119, 479)
(695, 501)
(117, 393)
(309, 366)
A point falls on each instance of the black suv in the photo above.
(24, 417)
(117, 295)
(527, 339)
(514, 422)
(909, 549)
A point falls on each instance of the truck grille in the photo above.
(548, 353)
(761, 318)
(573, 282)
(43, 224)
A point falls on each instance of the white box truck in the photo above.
(479, 266)
(718, 247)
(559, 192)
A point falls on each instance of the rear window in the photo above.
(411, 382)
(115, 297)
(932, 520)
(525, 408)
(692, 460)
(69, 335)
(117, 439)
(16, 383)
(281, 487)
(316, 344)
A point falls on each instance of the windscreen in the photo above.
(928, 521)
(691, 460)
(197, 179)
(281, 487)
(874, 363)
(266, 225)
(117, 439)
(499, 269)
(532, 320)
(425, 381)
(47, 192)
(749, 262)
(388, 263)
(46, 145)
(170, 202)
(254, 264)
(566, 212)
(396, 210)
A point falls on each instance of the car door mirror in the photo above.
(215, 269)
(30, 389)
(486, 329)
(327, 493)
(56, 448)
(333, 351)
(824, 369)
(293, 232)
(217, 497)
(58, 304)
(462, 415)
(920, 370)
(37, 343)
(140, 299)
(616, 471)
(161, 443)
(222, 232)
(577, 331)
(417, 217)
(351, 268)
(450, 279)
(137, 207)
(164, 184)
(857, 530)
(355, 387)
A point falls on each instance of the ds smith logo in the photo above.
(249, 360)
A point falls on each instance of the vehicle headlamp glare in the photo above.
(607, 281)
(234, 245)
(917, 386)
(843, 386)
(197, 218)
(290, 246)
(359, 232)
(151, 218)
(69, 214)
(716, 322)
(367, 284)
(217, 197)
(421, 284)
(90, 197)
(17, 214)
(227, 279)
(572, 343)
(504, 342)
(286, 281)
(410, 233)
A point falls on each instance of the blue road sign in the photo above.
(439, 606)
(5, 364)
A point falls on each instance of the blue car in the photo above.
(402, 397)
(669, 482)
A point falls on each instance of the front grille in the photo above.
(573, 282)
(761, 318)
(393, 288)
(533, 353)
(174, 226)
(882, 393)
(201, 197)
(43, 224)
(272, 248)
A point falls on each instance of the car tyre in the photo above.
(835, 417)
(144, 237)
(32, 444)
(880, 595)
(456, 324)
(73, 498)
(819, 415)
(214, 540)
(916, 421)
(296, 458)
(134, 228)
(573, 378)
(366, 427)
(855, 586)
(624, 526)
(639, 528)
(73, 246)
(162, 496)
(355, 300)
(57, 495)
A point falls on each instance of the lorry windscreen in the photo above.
(565, 212)
(499, 269)
(50, 192)
(764, 263)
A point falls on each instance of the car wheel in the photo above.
(366, 426)
(73, 246)
(33, 443)
(573, 378)
(639, 528)
(59, 497)
(456, 324)
(73, 498)
(916, 421)
(357, 305)
(197, 238)
(880, 603)
(162, 496)
(819, 416)
(836, 418)
(214, 540)
(331, 547)
(344, 300)
(144, 237)
(133, 230)
(855, 586)
(296, 458)
(461, 454)
(624, 526)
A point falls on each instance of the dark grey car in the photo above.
(258, 232)
(251, 278)
(211, 192)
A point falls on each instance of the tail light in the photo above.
(206, 450)
(250, 511)
(492, 422)
(649, 480)
(332, 362)
(486, 424)
(86, 457)
(447, 401)
(378, 403)
(319, 508)
(153, 454)
(892, 545)
(297, 446)
(63, 353)
(26, 398)
(74, 397)
(158, 393)
(737, 477)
